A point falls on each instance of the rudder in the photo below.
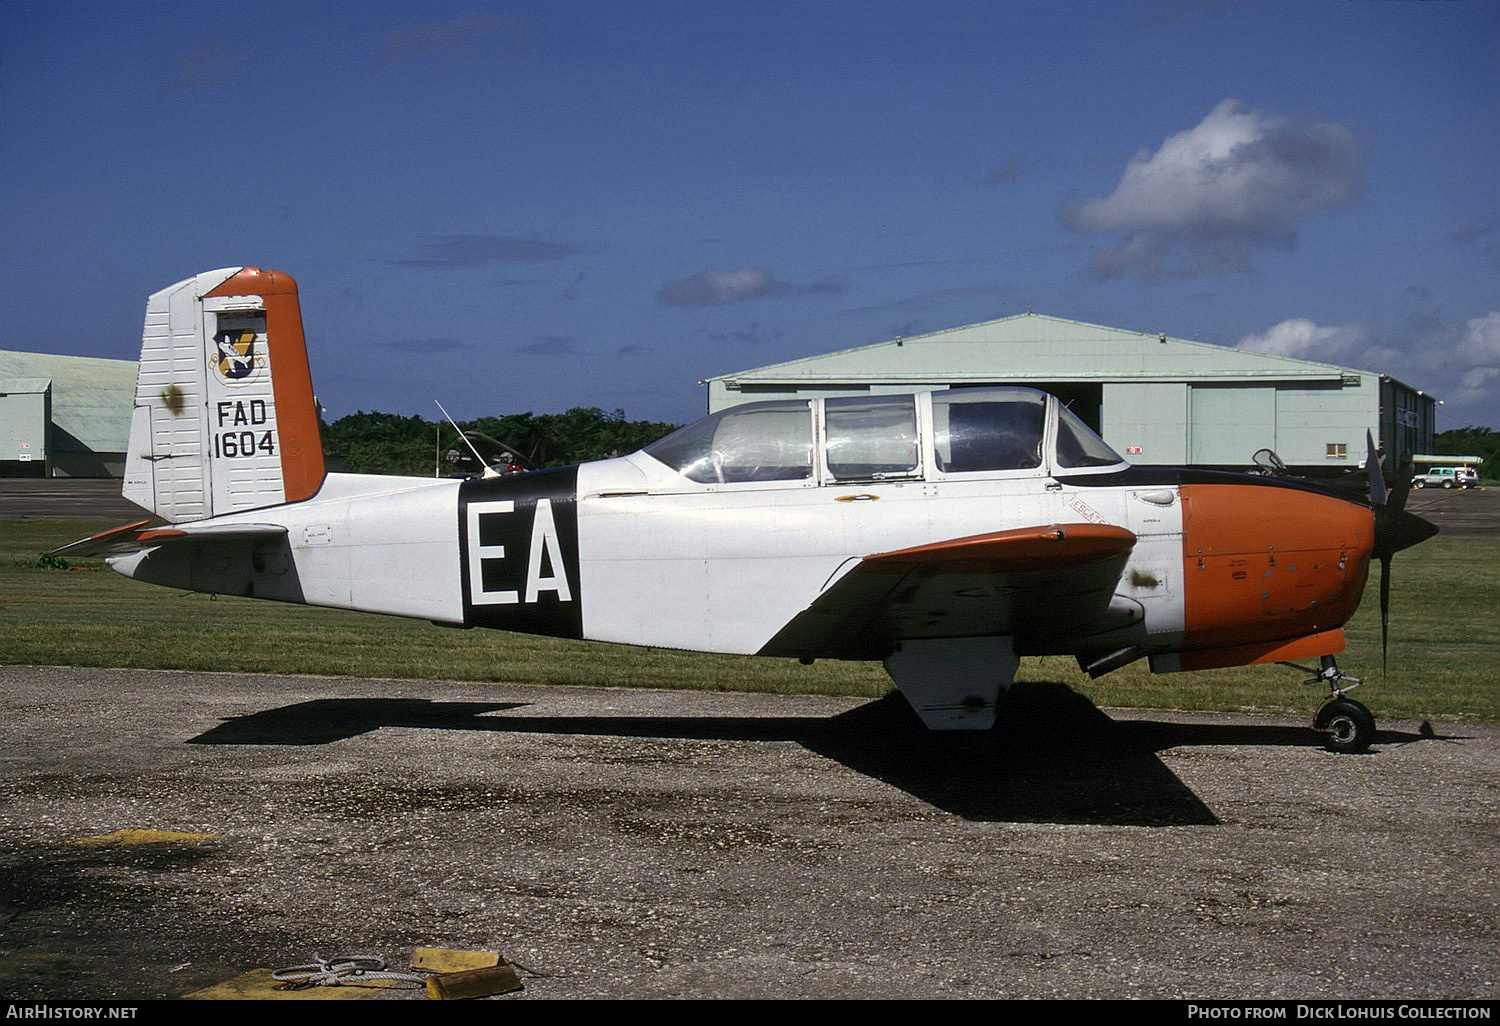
(224, 417)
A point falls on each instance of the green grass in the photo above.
(1445, 642)
(90, 616)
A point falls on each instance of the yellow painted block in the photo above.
(473, 983)
(131, 837)
(257, 985)
(445, 960)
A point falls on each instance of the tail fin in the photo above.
(224, 416)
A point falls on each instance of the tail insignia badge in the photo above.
(235, 361)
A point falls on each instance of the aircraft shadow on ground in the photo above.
(1054, 757)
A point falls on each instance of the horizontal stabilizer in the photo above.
(143, 534)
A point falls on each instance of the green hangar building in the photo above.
(1155, 399)
(64, 416)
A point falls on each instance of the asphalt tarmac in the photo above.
(645, 844)
(65, 498)
(1470, 511)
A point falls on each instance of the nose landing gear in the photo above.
(1346, 725)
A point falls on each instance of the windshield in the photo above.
(1078, 446)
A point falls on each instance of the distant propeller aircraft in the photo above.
(945, 533)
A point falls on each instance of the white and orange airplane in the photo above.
(946, 533)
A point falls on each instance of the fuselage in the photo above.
(1225, 567)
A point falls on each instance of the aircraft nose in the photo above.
(1262, 562)
(1396, 529)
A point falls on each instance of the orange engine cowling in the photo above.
(1264, 565)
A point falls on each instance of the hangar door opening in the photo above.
(1084, 398)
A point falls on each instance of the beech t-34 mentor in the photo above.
(946, 533)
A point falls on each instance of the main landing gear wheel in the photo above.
(1346, 725)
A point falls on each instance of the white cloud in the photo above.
(1458, 363)
(1207, 197)
(1477, 356)
(1479, 342)
(1302, 339)
(1481, 378)
(716, 288)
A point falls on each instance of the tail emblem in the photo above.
(235, 361)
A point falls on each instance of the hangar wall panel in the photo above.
(1229, 424)
(1147, 423)
(1324, 425)
(23, 425)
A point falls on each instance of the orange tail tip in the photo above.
(224, 416)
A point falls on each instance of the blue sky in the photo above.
(532, 206)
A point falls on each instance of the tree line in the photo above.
(387, 443)
(1471, 441)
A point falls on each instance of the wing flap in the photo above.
(1037, 581)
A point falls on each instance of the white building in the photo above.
(64, 416)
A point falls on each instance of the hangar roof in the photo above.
(24, 386)
(91, 398)
(1040, 348)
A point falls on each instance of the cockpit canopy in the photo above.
(935, 435)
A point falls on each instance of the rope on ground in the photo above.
(342, 970)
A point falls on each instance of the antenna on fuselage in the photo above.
(488, 471)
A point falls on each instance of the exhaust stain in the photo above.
(174, 399)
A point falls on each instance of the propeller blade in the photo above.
(1402, 489)
(1385, 612)
(1378, 491)
(1395, 529)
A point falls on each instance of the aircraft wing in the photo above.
(143, 534)
(1034, 583)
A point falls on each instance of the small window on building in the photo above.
(1338, 451)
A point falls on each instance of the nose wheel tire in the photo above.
(1346, 726)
